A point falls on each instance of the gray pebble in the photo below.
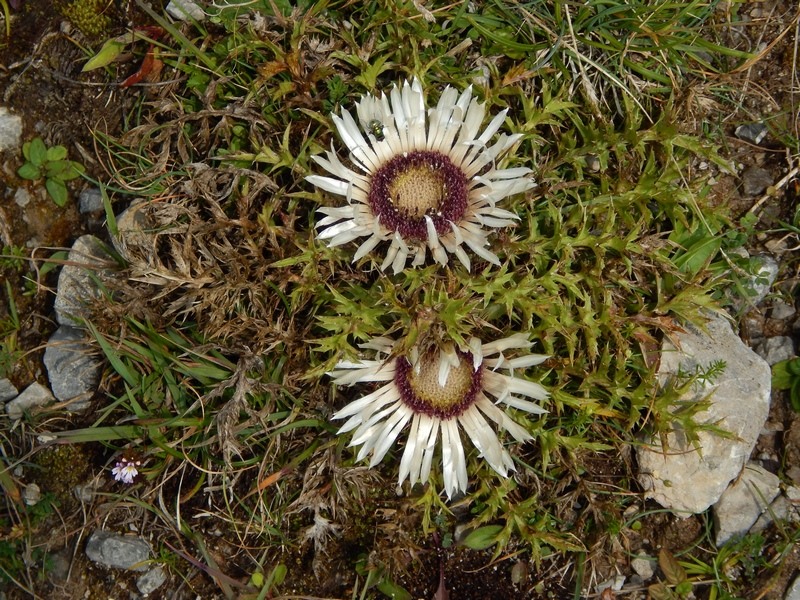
(752, 132)
(32, 396)
(644, 566)
(793, 593)
(7, 390)
(119, 551)
(756, 180)
(72, 366)
(22, 197)
(775, 349)
(90, 200)
(782, 310)
(77, 287)
(151, 581)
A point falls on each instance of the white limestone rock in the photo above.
(681, 477)
(10, 130)
(644, 566)
(186, 10)
(741, 505)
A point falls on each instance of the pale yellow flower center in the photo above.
(425, 384)
(417, 192)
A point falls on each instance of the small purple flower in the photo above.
(126, 470)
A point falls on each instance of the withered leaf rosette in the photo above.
(442, 390)
(421, 180)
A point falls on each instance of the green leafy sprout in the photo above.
(786, 376)
(52, 165)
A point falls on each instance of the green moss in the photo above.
(61, 468)
(90, 16)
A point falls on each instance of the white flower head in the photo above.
(126, 470)
(422, 180)
(438, 391)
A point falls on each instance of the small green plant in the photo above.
(51, 164)
(268, 583)
(16, 539)
(727, 571)
(786, 376)
(377, 577)
(9, 330)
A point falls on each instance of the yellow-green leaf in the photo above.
(105, 56)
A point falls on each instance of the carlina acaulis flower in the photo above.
(422, 180)
(440, 391)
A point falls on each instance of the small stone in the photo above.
(519, 572)
(635, 582)
(135, 239)
(778, 510)
(90, 200)
(752, 132)
(22, 197)
(643, 566)
(793, 493)
(118, 551)
(73, 367)
(775, 349)
(762, 271)
(32, 396)
(781, 311)
(756, 180)
(58, 564)
(793, 591)
(7, 390)
(84, 492)
(186, 10)
(742, 503)
(151, 581)
(10, 130)
(766, 271)
(32, 494)
(615, 584)
(793, 473)
(481, 79)
(77, 287)
(753, 324)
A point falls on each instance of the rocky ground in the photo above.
(43, 93)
